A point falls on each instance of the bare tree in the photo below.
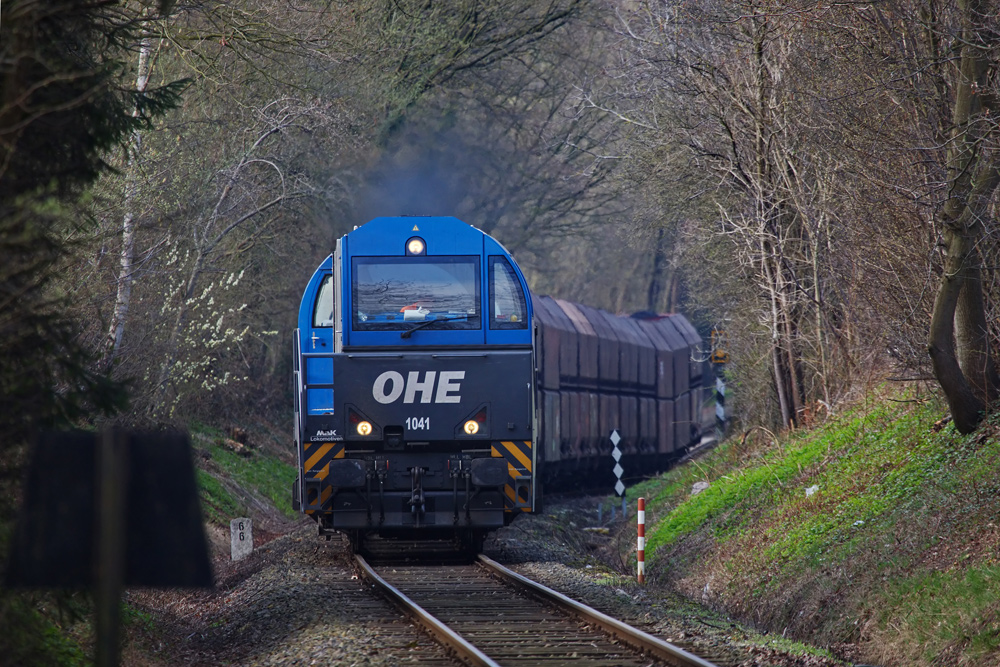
(125, 279)
(503, 148)
(924, 78)
(423, 46)
(725, 83)
(250, 194)
(167, 216)
(959, 340)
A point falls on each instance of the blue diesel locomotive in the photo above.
(433, 391)
(414, 380)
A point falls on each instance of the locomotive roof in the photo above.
(444, 235)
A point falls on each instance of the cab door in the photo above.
(317, 347)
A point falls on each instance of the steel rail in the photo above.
(439, 630)
(634, 637)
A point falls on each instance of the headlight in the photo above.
(364, 428)
(471, 427)
(415, 246)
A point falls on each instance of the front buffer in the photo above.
(420, 444)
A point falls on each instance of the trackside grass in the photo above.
(956, 610)
(218, 505)
(877, 528)
(256, 472)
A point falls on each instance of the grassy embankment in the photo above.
(877, 529)
(224, 471)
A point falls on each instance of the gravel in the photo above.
(568, 549)
(297, 601)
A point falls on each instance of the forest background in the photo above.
(818, 179)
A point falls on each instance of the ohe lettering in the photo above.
(430, 386)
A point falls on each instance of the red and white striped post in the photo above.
(641, 546)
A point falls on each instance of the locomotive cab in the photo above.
(414, 412)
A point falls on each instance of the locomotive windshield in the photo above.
(393, 293)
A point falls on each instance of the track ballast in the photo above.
(490, 616)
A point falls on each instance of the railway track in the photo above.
(491, 616)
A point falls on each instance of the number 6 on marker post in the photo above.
(241, 537)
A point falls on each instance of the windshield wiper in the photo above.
(409, 332)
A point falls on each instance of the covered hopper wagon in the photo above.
(641, 376)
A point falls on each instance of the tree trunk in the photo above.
(959, 309)
(972, 332)
(780, 376)
(822, 371)
(789, 331)
(656, 286)
(123, 298)
(966, 407)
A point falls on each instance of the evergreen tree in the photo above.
(62, 109)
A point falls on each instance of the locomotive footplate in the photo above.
(404, 490)
(483, 509)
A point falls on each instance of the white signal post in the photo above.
(720, 357)
(641, 544)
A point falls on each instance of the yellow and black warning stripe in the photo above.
(317, 457)
(518, 454)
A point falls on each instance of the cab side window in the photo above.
(323, 310)
(507, 303)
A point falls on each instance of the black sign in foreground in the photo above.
(109, 510)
